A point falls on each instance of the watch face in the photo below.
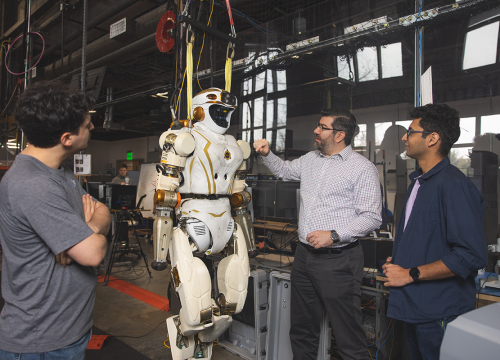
(414, 273)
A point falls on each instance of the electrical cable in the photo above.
(4, 112)
(189, 75)
(180, 91)
(376, 354)
(202, 45)
(253, 22)
(39, 58)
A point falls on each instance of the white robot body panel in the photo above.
(168, 157)
(168, 183)
(194, 285)
(216, 215)
(233, 273)
(211, 168)
(239, 186)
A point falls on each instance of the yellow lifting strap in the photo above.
(229, 66)
(189, 75)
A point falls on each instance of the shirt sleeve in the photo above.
(286, 170)
(367, 205)
(464, 209)
(116, 180)
(49, 214)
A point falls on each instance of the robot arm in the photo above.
(239, 178)
(240, 199)
(176, 147)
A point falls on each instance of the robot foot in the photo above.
(186, 347)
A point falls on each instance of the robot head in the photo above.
(214, 107)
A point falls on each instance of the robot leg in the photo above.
(232, 276)
(192, 282)
(162, 233)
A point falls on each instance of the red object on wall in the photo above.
(165, 38)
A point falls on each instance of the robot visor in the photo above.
(228, 98)
(220, 115)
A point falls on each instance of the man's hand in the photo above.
(262, 147)
(319, 238)
(63, 259)
(396, 276)
(88, 207)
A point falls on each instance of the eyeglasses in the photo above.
(410, 131)
(323, 127)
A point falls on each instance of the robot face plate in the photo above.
(214, 107)
(220, 115)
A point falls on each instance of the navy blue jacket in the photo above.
(446, 224)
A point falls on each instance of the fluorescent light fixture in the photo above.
(92, 112)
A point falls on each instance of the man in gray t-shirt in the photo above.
(52, 232)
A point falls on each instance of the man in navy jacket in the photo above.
(440, 243)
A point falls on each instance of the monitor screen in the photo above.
(120, 196)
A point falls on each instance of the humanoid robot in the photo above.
(200, 176)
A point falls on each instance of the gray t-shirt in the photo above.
(47, 307)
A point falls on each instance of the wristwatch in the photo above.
(334, 236)
(415, 273)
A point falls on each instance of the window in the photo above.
(490, 124)
(261, 117)
(380, 129)
(460, 158)
(467, 130)
(367, 64)
(481, 46)
(360, 139)
(392, 60)
(343, 68)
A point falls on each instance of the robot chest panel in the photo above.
(213, 167)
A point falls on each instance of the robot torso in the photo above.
(211, 167)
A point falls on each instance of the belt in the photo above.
(329, 250)
(204, 197)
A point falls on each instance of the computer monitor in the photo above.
(96, 189)
(119, 196)
(275, 198)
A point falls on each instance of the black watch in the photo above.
(334, 236)
(415, 274)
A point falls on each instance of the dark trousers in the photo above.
(424, 339)
(333, 282)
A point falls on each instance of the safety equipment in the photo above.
(165, 37)
(214, 107)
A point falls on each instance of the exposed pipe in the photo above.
(117, 56)
(144, 26)
(84, 45)
(26, 64)
(91, 24)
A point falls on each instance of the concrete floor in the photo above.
(119, 314)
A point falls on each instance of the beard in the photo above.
(322, 146)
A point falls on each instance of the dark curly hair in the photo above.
(46, 110)
(344, 121)
(442, 119)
